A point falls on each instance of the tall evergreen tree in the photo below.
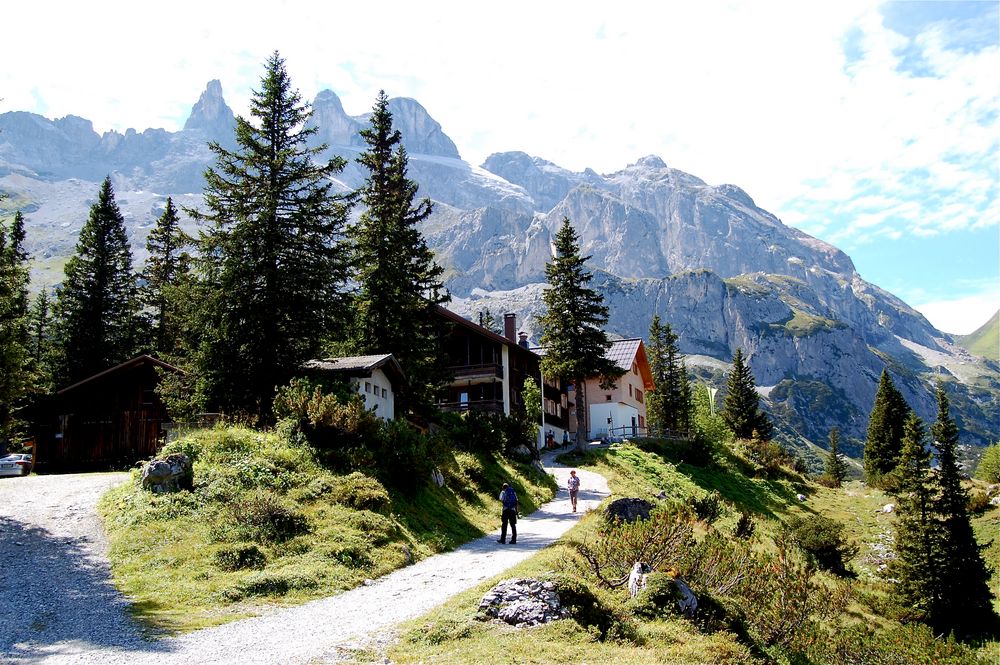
(836, 468)
(573, 325)
(917, 540)
(886, 426)
(399, 284)
(166, 264)
(965, 601)
(271, 266)
(40, 342)
(96, 306)
(741, 407)
(670, 404)
(15, 359)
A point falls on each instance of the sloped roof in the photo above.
(359, 365)
(624, 352)
(128, 364)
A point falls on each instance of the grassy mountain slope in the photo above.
(452, 634)
(985, 341)
(269, 524)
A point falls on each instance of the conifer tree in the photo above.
(96, 306)
(836, 468)
(271, 266)
(886, 425)
(917, 541)
(399, 284)
(15, 360)
(166, 264)
(40, 343)
(741, 407)
(573, 326)
(670, 404)
(965, 601)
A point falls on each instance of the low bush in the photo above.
(589, 611)
(823, 539)
(261, 517)
(657, 600)
(979, 502)
(361, 492)
(745, 526)
(898, 645)
(267, 583)
(239, 556)
(709, 507)
(988, 468)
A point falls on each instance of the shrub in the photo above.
(823, 539)
(402, 456)
(979, 501)
(587, 609)
(989, 464)
(239, 556)
(768, 455)
(361, 492)
(745, 526)
(263, 517)
(911, 643)
(710, 507)
(270, 584)
(662, 540)
(658, 599)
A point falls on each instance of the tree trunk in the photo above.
(582, 430)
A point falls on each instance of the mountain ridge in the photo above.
(724, 272)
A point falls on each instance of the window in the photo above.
(638, 396)
(630, 390)
(642, 421)
(368, 387)
(607, 398)
(383, 393)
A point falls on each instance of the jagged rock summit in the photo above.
(724, 272)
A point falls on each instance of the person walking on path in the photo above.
(574, 488)
(509, 515)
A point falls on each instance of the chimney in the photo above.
(522, 339)
(510, 327)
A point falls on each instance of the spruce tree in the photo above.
(741, 407)
(965, 601)
(166, 265)
(271, 265)
(669, 405)
(15, 360)
(885, 430)
(96, 305)
(573, 326)
(917, 540)
(399, 284)
(40, 343)
(836, 468)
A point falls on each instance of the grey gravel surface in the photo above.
(70, 613)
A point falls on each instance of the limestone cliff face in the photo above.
(725, 273)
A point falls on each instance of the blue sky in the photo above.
(873, 126)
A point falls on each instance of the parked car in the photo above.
(17, 464)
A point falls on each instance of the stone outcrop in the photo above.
(170, 474)
(628, 510)
(522, 602)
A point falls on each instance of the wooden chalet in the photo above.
(110, 420)
(488, 371)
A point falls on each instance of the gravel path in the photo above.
(76, 616)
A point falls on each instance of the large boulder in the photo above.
(628, 510)
(170, 474)
(522, 602)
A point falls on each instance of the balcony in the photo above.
(485, 405)
(476, 373)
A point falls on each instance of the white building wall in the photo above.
(377, 393)
(620, 414)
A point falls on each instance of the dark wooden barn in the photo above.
(108, 421)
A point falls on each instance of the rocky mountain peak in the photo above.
(210, 113)
(422, 134)
(335, 126)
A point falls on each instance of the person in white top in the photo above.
(574, 488)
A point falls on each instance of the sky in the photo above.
(874, 126)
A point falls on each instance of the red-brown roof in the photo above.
(128, 364)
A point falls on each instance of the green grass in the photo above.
(985, 341)
(256, 491)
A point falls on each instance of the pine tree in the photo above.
(40, 342)
(965, 601)
(573, 325)
(491, 321)
(166, 265)
(836, 468)
(399, 284)
(271, 266)
(917, 541)
(670, 404)
(96, 306)
(885, 430)
(15, 359)
(741, 407)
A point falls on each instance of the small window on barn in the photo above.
(147, 397)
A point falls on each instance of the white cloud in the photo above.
(961, 316)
